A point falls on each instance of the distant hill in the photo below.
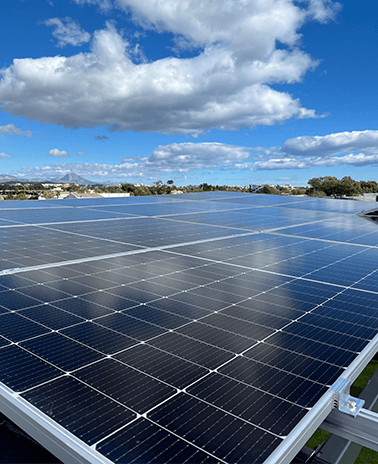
(7, 179)
(69, 178)
(72, 178)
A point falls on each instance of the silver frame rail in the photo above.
(297, 438)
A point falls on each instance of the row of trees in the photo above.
(159, 188)
(331, 186)
(319, 186)
(281, 190)
(35, 191)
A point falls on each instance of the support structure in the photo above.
(361, 429)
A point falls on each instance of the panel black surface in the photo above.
(61, 351)
(83, 411)
(82, 308)
(145, 442)
(18, 328)
(180, 308)
(217, 337)
(135, 328)
(21, 370)
(184, 310)
(51, 317)
(312, 348)
(215, 431)
(140, 392)
(163, 366)
(192, 350)
(156, 316)
(99, 338)
(13, 300)
(248, 403)
(277, 382)
(304, 366)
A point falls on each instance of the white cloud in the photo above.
(85, 170)
(226, 85)
(184, 157)
(4, 155)
(358, 159)
(357, 148)
(56, 152)
(173, 158)
(104, 5)
(67, 32)
(11, 129)
(323, 10)
(80, 153)
(340, 149)
(332, 144)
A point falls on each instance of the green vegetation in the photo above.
(367, 455)
(20, 191)
(363, 379)
(318, 187)
(282, 190)
(320, 436)
(327, 186)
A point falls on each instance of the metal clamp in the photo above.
(343, 400)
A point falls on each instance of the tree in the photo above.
(170, 182)
(269, 190)
(329, 185)
(48, 195)
(22, 196)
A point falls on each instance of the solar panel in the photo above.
(193, 328)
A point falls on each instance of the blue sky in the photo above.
(218, 91)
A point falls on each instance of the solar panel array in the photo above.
(188, 328)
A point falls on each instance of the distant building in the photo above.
(76, 195)
(370, 196)
(255, 188)
(114, 195)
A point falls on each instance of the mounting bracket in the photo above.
(349, 420)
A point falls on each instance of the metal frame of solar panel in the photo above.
(206, 327)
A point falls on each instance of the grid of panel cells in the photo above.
(191, 328)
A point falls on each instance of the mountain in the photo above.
(69, 178)
(72, 178)
(8, 179)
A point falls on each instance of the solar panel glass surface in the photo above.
(205, 335)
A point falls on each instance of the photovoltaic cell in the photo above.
(221, 317)
(99, 338)
(83, 411)
(163, 366)
(21, 370)
(61, 351)
(140, 393)
(214, 430)
(143, 441)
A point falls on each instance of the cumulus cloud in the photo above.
(174, 158)
(332, 144)
(67, 32)
(4, 155)
(56, 152)
(184, 157)
(357, 148)
(80, 153)
(225, 85)
(100, 138)
(87, 170)
(339, 149)
(11, 129)
(104, 5)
